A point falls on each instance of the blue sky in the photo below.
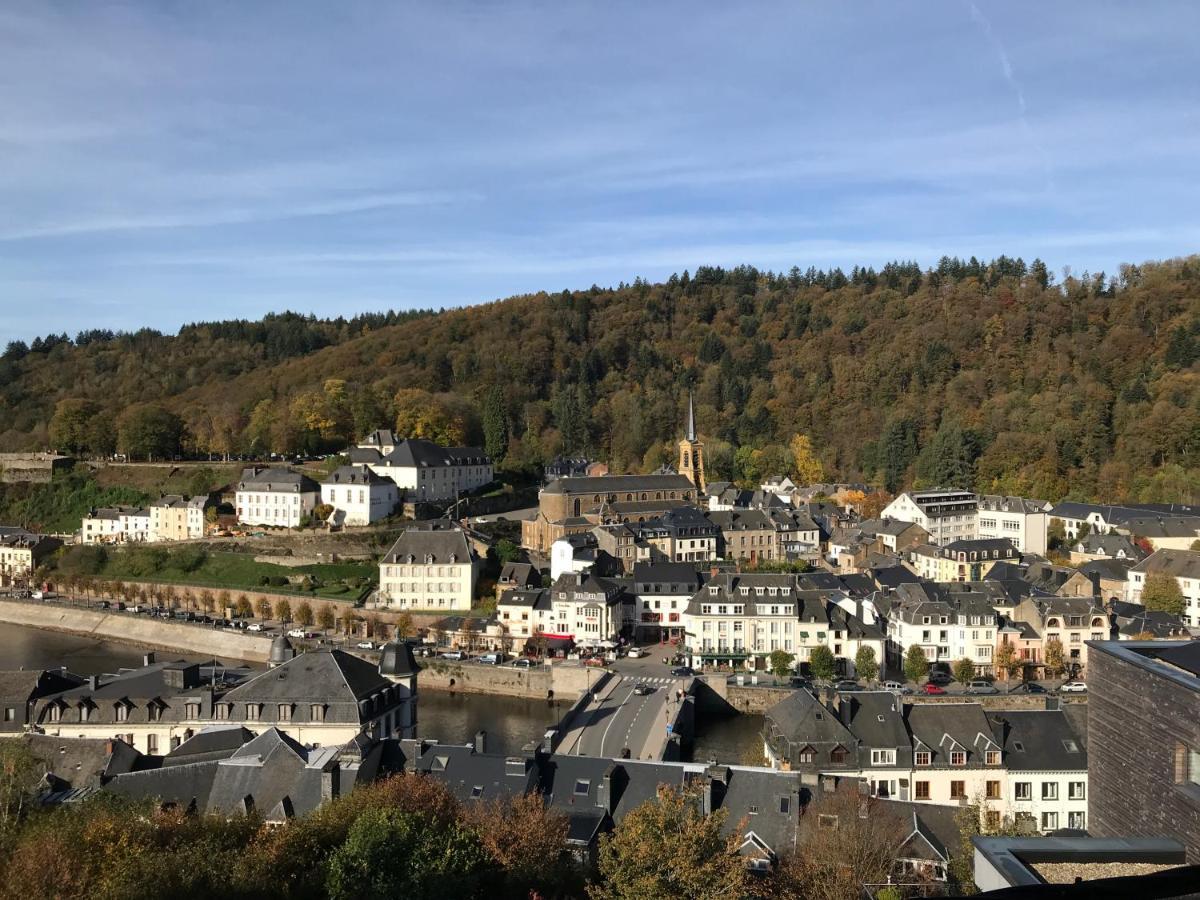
(165, 162)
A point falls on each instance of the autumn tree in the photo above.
(964, 671)
(1162, 594)
(528, 841)
(419, 414)
(1055, 659)
(148, 431)
(264, 608)
(304, 614)
(781, 662)
(326, 618)
(244, 609)
(805, 464)
(404, 625)
(72, 425)
(865, 663)
(1007, 662)
(916, 666)
(207, 600)
(669, 849)
(283, 610)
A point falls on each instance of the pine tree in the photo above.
(495, 424)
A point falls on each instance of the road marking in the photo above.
(604, 737)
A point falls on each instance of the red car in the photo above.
(932, 690)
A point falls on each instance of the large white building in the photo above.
(1183, 566)
(947, 626)
(583, 609)
(946, 513)
(277, 498)
(358, 495)
(421, 469)
(430, 567)
(1022, 521)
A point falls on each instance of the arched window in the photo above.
(1052, 623)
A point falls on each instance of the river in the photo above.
(510, 722)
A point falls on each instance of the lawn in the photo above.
(234, 571)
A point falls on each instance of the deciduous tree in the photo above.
(916, 666)
(1162, 594)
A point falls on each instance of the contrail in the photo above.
(1006, 67)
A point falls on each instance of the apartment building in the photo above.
(1183, 566)
(1072, 621)
(947, 514)
(21, 552)
(175, 517)
(277, 498)
(358, 495)
(946, 625)
(422, 470)
(430, 567)
(661, 593)
(961, 560)
(1017, 519)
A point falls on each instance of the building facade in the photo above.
(1017, 519)
(358, 495)
(947, 514)
(277, 498)
(429, 568)
(422, 470)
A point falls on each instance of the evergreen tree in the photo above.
(949, 460)
(495, 424)
(1181, 351)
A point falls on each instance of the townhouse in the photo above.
(581, 609)
(175, 517)
(429, 567)
(961, 560)
(948, 514)
(358, 495)
(1020, 520)
(947, 625)
(422, 470)
(1106, 546)
(278, 498)
(661, 593)
(1183, 566)
(1071, 621)
(318, 698)
(21, 552)
(747, 535)
(1102, 519)
(678, 535)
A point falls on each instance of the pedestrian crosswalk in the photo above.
(652, 680)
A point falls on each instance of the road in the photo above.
(620, 718)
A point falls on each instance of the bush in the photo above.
(83, 559)
(277, 581)
(144, 561)
(188, 559)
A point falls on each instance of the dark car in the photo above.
(932, 690)
(642, 689)
(801, 683)
(847, 685)
(940, 678)
(1028, 687)
(682, 672)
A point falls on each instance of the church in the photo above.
(573, 505)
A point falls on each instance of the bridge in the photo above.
(615, 718)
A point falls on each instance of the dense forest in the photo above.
(988, 374)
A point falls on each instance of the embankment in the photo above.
(557, 681)
(133, 629)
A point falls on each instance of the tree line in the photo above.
(983, 374)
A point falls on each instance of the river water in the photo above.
(510, 722)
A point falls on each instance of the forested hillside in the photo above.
(987, 374)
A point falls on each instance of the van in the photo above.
(491, 659)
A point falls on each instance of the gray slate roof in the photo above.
(426, 546)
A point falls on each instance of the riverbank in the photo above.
(140, 631)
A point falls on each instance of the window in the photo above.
(285, 712)
(837, 755)
(1077, 820)
(827, 821)
(883, 757)
(1077, 790)
(958, 790)
(1050, 790)
(806, 755)
(581, 787)
(191, 710)
(152, 743)
(922, 790)
(993, 819)
(222, 710)
(122, 711)
(923, 758)
(993, 790)
(1187, 764)
(1023, 790)
(1049, 821)
(10, 714)
(785, 805)
(317, 712)
(252, 712)
(958, 757)
(477, 792)
(992, 757)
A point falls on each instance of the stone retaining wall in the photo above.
(134, 629)
(557, 681)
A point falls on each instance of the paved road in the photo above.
(621, 718)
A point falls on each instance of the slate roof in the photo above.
(1108, 569)
(355, 475)
(1177, 563)
(215, 742)
(422, 544)
(672, 577)
(1001, 503)
(943, 727)
(1039, 740)
(1110, 545)
(416, 453)
(277, 481)
(618, 484)
(519, 574)
(472, 776)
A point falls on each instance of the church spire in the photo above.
(691, 426)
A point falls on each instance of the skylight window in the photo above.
(477, 792)
(1070, 745)
(582, 787)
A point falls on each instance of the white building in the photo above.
(135, 524)
(1022, 521)
(580, 609)
(275, 497)
(662, 592)
(430, 567)
(946, 513)
(421, 469)
(20, 553)
(947, 626)
(1183, 566)
(102, 526)
(358, 495)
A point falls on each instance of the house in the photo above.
(678, 535)
(894, 535)
(961, 560)
(661, 593)
(946, 625)
(102, 526)
(21, 552)
(582, 553)
(948, 514)
(423, 470)
(1024, 522)
(524, 613)
(568, 467)
(517, 576)
(1143, 741)
(1102, 577)
(1103, 519)
(1183, 566)
(1072, 621)
(621, 542)
(1046, 771)
(1106, 546)
(358, 495)
(747, 535)
(277, 498)
(1164, 532)
(175, 517)
(321, 697)
(134, 523)
(430, 567)
(1133, 622)
(589, 610)
(20, 689)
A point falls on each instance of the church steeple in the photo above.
(691, 451)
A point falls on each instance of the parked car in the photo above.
(44, 595)
(798, 682)
(1073, 687)
(1028, 687)
(491, 659)
(636, 653)
(594, 661)
(523, 663)
(940, 678)
(982, 687)
(297, 633)
(452, 654)
(642, 689)
(682, 672)
(847, 685)
(256, 626)
(362, 645)
(896, 687)
(932, 690)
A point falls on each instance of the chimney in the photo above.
(1095, 579)
(148, 659)
(93, 682)
(605, 793)
(481, 741)
(329, 783)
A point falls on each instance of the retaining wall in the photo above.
(557, 680)
(134, 629)
(756, 700)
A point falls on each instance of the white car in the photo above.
(1073, 687)
(636, 653)
(298, 633)
(256, 626)
(366, 645)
